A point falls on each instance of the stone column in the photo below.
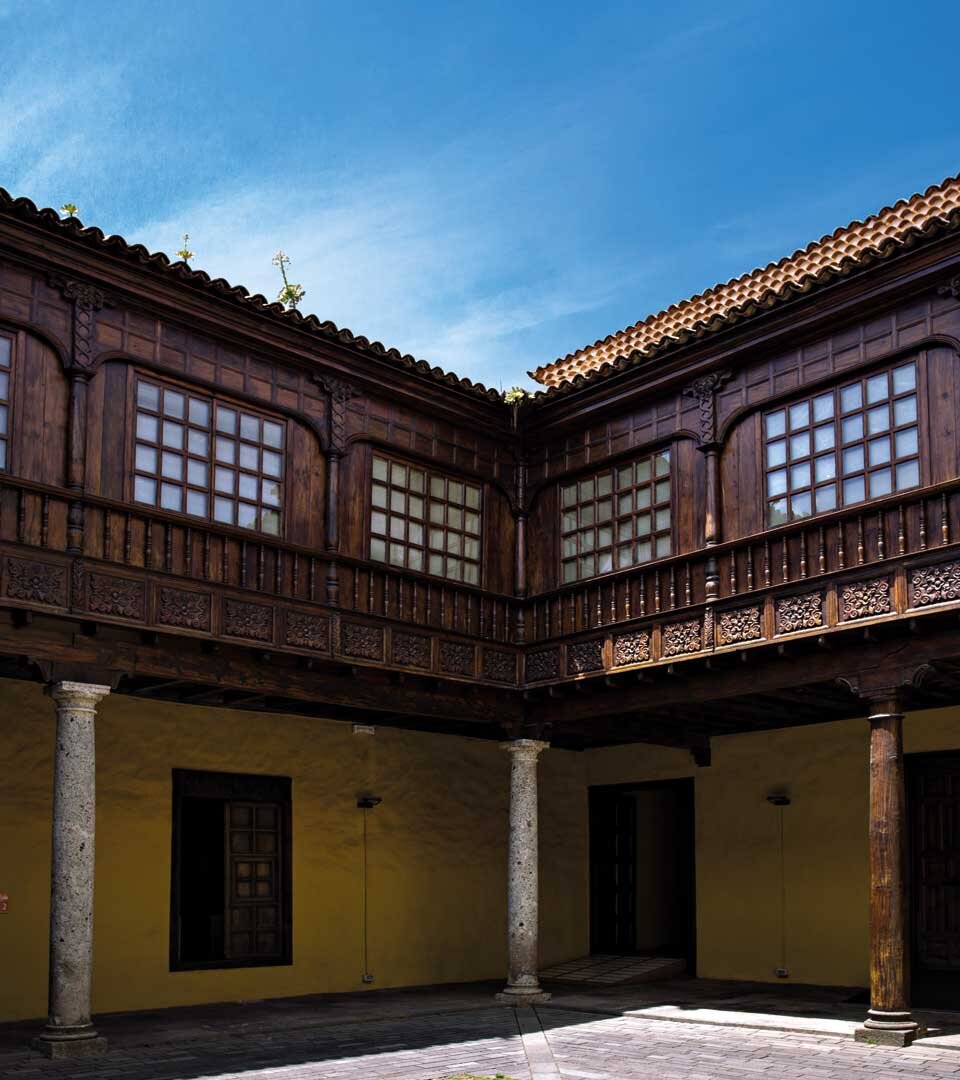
(69, 1031)
(523, 887)
(888, 1021)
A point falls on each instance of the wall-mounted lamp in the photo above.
(778, 798)
(368, 802)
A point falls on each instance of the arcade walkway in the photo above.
(677, 1030)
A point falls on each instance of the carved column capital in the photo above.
(87, 299)
(339, 392)
(703, 390)
(525, 750)
(951, 288)
(77, 696)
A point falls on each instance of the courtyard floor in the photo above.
(684, 1029)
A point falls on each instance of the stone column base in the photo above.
(880, 1034)
(56, 1045)
(520, 995)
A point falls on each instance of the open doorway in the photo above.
(642, 874)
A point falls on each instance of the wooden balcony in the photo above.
(165, 575)
(872, 564)
(156, 572)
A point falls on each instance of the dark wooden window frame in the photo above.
(212, 399)
(617, 520)
(233, 788)
(840, 446)
(425, 547)
(7, 369)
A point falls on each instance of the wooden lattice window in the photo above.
(231, 896)
(425, 521)
(206, 457)
(6, 378)
(616, 518)
(855, 442)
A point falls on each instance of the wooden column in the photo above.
(889, 1021)
(332, 526)
(520, 550)
(87, 300)
(339, 394)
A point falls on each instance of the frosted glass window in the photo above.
(450, 547)
(599, 513)
(204, 468)
(863, 433)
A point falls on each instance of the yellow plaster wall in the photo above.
(437, 875)
(437, 849)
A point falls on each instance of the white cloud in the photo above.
(418, 259)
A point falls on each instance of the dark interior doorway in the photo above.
(933, 788)
(202, 880)
(642, 871)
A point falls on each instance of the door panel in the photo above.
(935, 812)
(613, 890)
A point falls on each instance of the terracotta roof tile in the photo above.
(74, 229)
(848, 248)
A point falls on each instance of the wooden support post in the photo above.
(889, 1021)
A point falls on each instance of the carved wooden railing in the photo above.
(137, 537)
(905, 524)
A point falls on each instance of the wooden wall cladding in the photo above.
(38, 421)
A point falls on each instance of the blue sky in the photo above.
(489, 185)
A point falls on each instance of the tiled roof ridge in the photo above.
(49, 218)
(601, 357)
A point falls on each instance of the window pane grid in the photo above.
(616, 518)
(856, 442)
(6, 373)
(425, 522)
(203, 457)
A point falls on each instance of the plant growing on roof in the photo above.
(515, 395)
(185, 253)
(70, 209)
(292, 293)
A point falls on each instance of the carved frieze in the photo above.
(245, 620)
(38, 582)
(795, 613)
(631, 648)
(682, 638)
(308, 631)
(543, 664)
(935, 584)
(411, 650)
(178, 607)
(583, 656)
(499, 666)
(122, 597)
(741, 624)
(364, 642)
(861, 599)
(456, 658)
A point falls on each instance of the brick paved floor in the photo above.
(432, 1033)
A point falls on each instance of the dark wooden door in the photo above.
(935, 813)
(613, 869)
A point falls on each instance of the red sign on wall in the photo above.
(4, 903)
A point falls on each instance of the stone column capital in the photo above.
(76, 695)
(525, 749)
